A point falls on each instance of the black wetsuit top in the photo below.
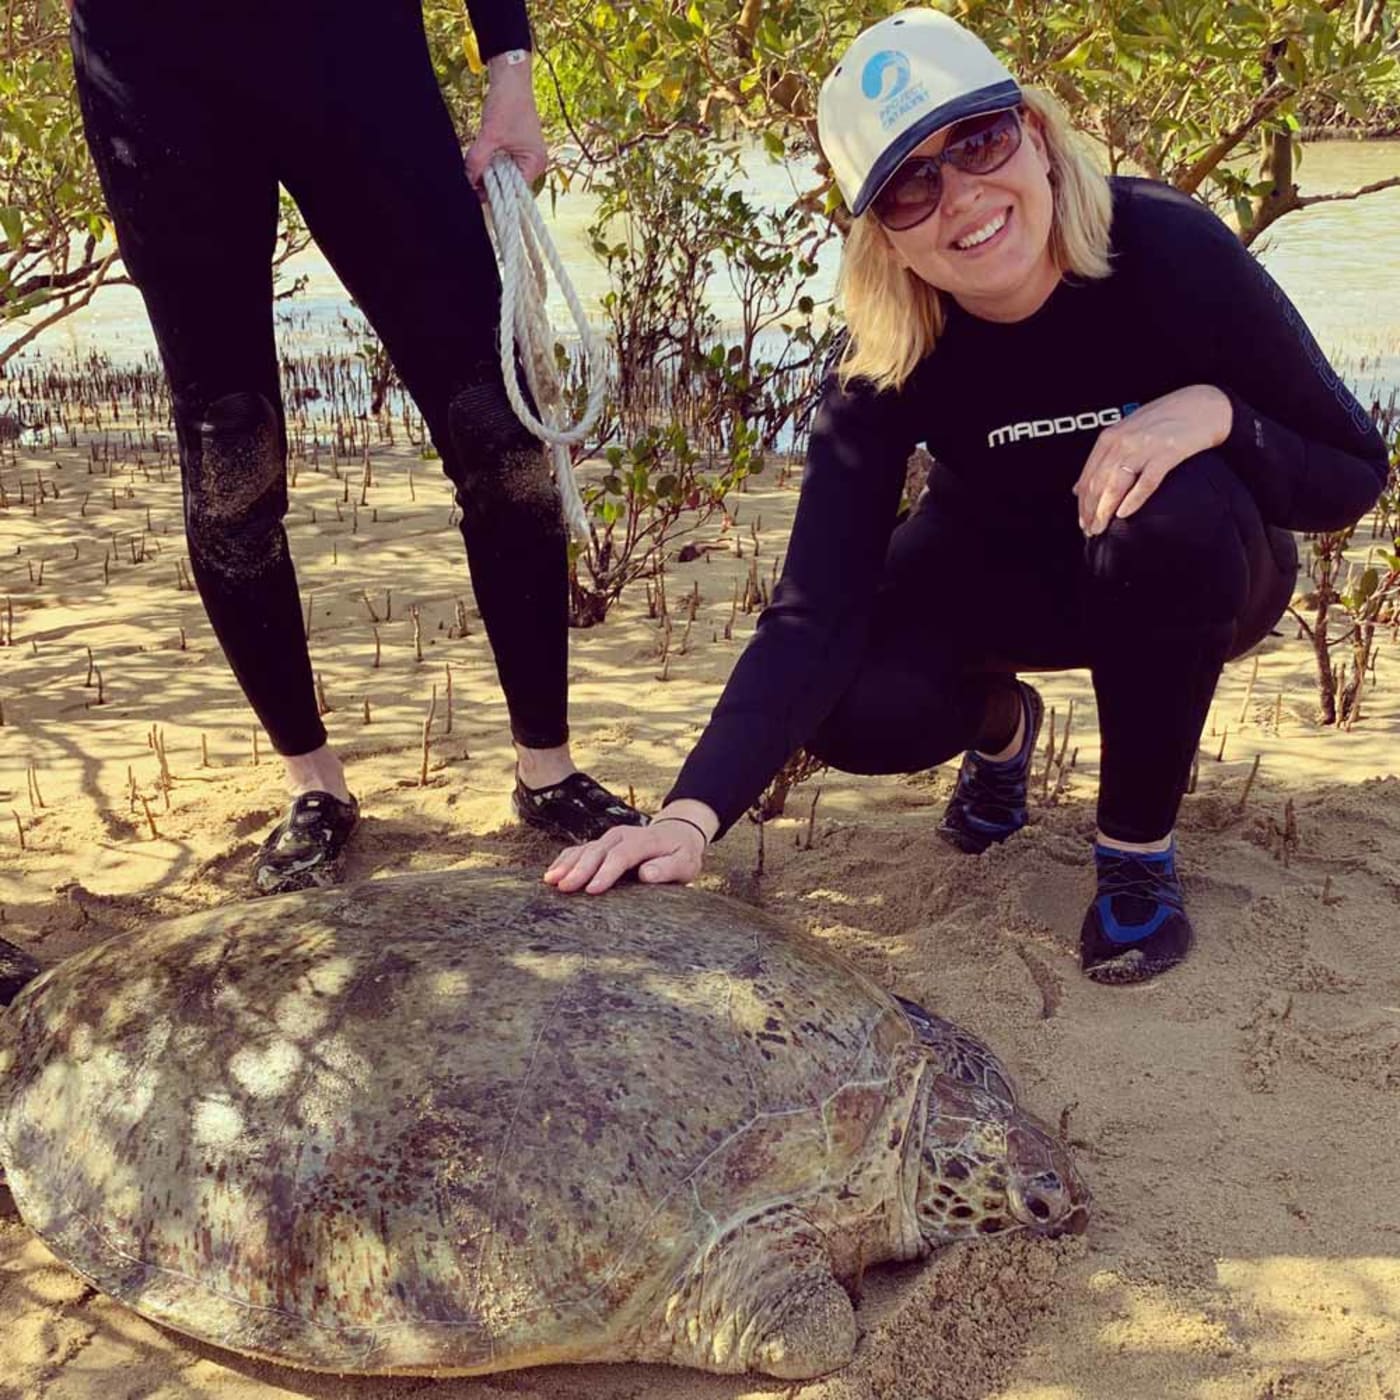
(1010, 412)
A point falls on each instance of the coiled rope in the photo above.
(524, 245)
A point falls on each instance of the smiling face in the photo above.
(988, 243)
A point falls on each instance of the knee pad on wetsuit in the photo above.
(236, 488)
(495, 460)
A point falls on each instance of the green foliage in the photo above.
(700, 401)
(1183, 90)
(655, 489)
(650, 102)
(669, 221)
(1362, 597)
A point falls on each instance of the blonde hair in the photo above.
(895, 317)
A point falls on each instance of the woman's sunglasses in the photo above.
(977, 146)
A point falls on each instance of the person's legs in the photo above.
(1169, 595)
(383, 189)
(931, 684)
(1154, 607)
(189, 179)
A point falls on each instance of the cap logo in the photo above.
(886, 75)
(885, 80)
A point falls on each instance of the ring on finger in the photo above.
(1131, 470)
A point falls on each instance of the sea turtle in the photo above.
(455, 1123)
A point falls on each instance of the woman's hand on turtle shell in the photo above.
(1131, 457)
(670, 850)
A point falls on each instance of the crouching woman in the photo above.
(1128, 419)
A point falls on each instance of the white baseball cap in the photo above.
(900, 81)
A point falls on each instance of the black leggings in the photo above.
(1153, 607)
(194, 113)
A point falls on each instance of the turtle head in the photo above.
(987, 1166)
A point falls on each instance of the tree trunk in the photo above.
(1275, 166)
(1326, 677)
(747, 26)
(1368, 21)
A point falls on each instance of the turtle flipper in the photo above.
(815, 1333)
(17, 970)
(762, 1297)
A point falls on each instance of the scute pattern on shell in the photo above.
(450, 1122)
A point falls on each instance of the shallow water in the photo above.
(1337, 262)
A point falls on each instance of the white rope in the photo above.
(525, 245)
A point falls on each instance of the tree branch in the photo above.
(57, 281)
(564, 112)
(746, 27)
(1275, 210)
(67, 309)
(1308, 199)
(1265, 105)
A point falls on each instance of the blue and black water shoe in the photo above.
(1137, 925)
(989, 802)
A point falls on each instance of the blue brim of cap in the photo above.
(973, 104)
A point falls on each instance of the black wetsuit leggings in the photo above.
(195, 112)
(1153, 607)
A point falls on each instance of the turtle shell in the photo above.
(451, 1123)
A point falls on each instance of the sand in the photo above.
(1237, 1119)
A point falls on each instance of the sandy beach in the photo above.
(1238, 1120)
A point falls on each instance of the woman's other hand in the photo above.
(670, 850)
(510, 123)
(1132, 456)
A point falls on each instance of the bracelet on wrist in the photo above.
(688, 822)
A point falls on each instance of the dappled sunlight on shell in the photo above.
(133, 996)
(300, 1014)
(474, 1127)
(551, 966)
(450, 984)
(228, 999)
(266, 1071)
(215, 1122)
(331, 975)
(337, 1067)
